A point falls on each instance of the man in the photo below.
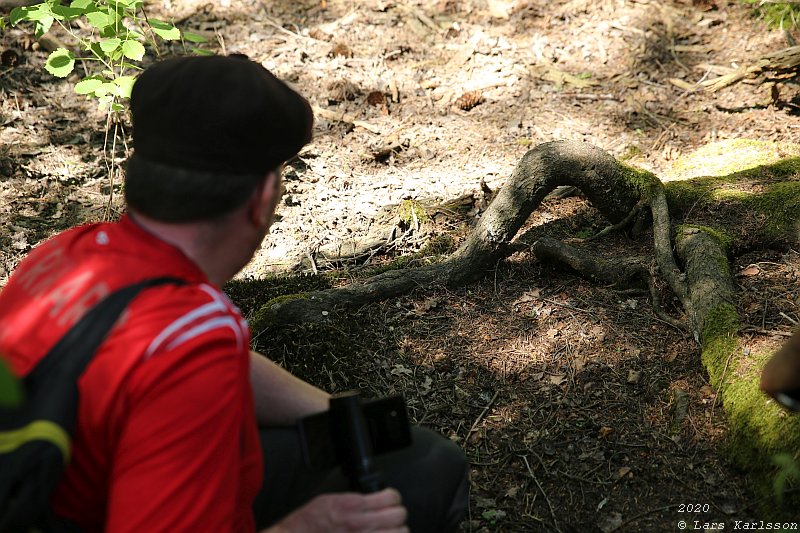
(167, 436)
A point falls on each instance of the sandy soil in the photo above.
(564, 395)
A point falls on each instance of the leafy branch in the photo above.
(119, 31)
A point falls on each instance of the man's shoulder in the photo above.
(172, 316)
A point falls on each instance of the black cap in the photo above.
(217, 114)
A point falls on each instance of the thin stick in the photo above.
(651, 511)
(622, 223)
(549, 505)
(721, 381)
(313, 263)
(787, 317)
(483, 413)
(327, 114)
(281, 29)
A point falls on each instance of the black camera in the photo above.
(351, 433)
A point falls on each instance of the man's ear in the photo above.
(264, 200)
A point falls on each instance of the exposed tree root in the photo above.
(622, 223)
(541, 170)
(622, 274)
(616, 191)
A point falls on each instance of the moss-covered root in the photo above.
(267, 315)
(708, 277)
(759, 428)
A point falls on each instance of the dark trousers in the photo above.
(431, 475)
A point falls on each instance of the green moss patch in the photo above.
(758, 203)
(411, 212)
(724, 238)
(730, 156)
(641, 180)
(759, 428)
(265, 317)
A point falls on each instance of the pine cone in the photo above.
(341, 50)
(468, 100)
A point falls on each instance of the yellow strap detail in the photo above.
(36, 430)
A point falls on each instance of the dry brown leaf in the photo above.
(599, 333)
(610, 523)
(625, 471)
(750, 271)
(558, 379)
(605, 432)
(376, 98)
(340, 90)
(400, 370)
(529, 296)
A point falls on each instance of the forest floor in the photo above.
(578, 409)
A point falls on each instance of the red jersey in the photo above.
(167, 437)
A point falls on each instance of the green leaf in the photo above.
(19, 14)
(201, 52)
(60, 63)
(119, 108)
(105, 102)
(109, 32)
(42, 26)
(125, 66)
(69, 13)
(125, 84)
(10, 389)
(81, 4)
(194, 37)
(88, 85)
(35, 13)
(97, 51)
(98, 19)
(166, 31)
(44, 10)
(106, 88)
(109, 45)
(133, 50)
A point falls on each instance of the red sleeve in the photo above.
(177, 462)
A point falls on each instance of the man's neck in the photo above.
(202, 242)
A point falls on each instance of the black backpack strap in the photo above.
(76, 348)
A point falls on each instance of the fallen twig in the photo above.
(483, 413)
(327, 114)
(549, 505)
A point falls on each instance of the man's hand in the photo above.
(782, 372)
(379, 512)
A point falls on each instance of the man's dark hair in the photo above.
(206, 131)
